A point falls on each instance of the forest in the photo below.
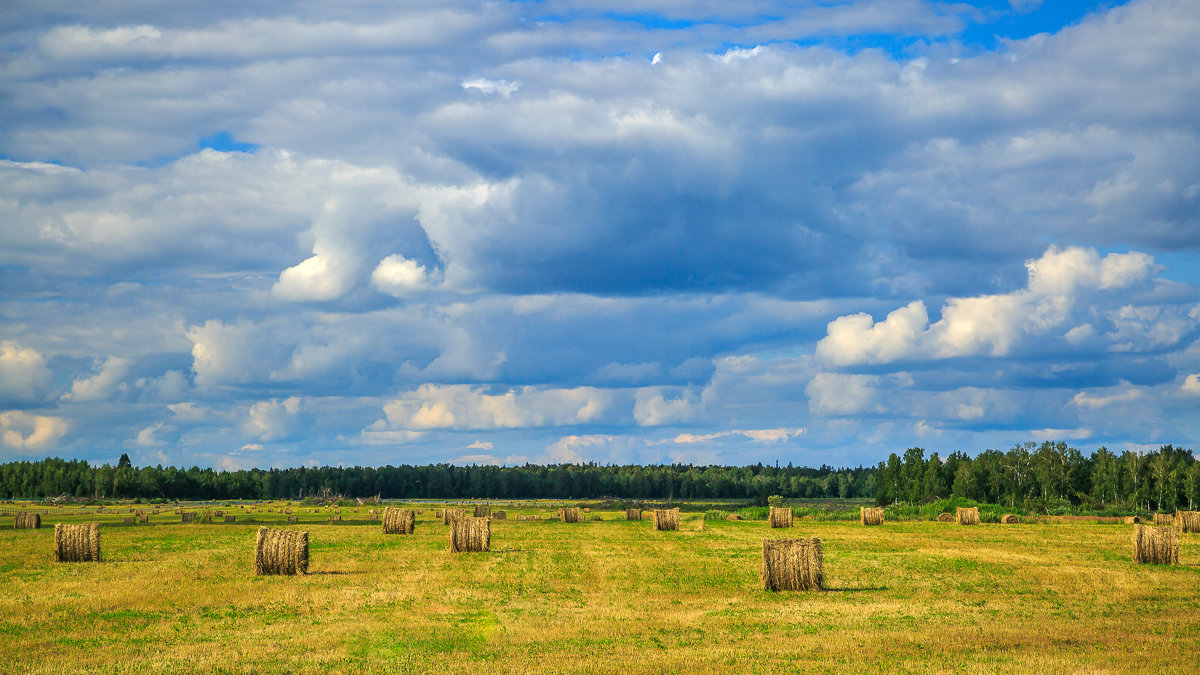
(1050, 477)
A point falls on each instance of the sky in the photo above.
(264, 234)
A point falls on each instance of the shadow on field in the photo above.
(334, 572)
(863, 589)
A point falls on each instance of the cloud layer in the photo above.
(526, 231)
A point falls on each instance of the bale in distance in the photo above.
(28, 521)
(666, 519)
(791, 564)
(1159, 545)
(966, 515)
(482, 511)
(128, 520)
(499, 515)
(633, 514)
(143, 519)
(281, 551)
(470, 534)
(781, 516)
(733, 516)
(570, 514)
(1163, 519)
(293, 519)
(398, 521)
(448, 515)
(77, 542)
(231, 519)
(1008, 519)
(945, 518)
(1132, 520)
(1187, 521)
(868, 515)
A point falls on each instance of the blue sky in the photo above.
(267, 234)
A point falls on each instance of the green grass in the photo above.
(597, 597)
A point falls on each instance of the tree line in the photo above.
(1044, 478)
(1039, 478)
(50, 478)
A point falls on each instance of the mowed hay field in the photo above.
(608, 596)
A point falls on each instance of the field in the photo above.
(604, 596)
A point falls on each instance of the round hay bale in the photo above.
(77, 542)
(1163, 519)
(470, 534)
(398, 521)
(293, 519)
(448, 515)
(666, 519)
(733, 516)
(966, 515)
(231, 519)
(1158, 545)
(187, 517)
(1132, 520)
(1186, 521)
(482, 511)
(28, 521)
(570, 515)
(945, 518)
(633, 514)
(281, 551)
(792, 565)
(868, 515)
(499, 515)
(1008, 519)
(781, 516)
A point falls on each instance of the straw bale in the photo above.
(77, 542)
(570, 514)
(448, 515)
(335, 519)
(868, 515)
(781, 516)
(733, 516)
(128, 520)
(966, 515)
(945, 518)
(666, 519)
(470, 534)
(145, 520)
(218, 514)
(1158, 545)
(231, 519)
(398, 521)
(1008, 519)
(188, 517)
(281, 551)
(1163, 519)
(791, 564)
(499, 515)
(293, 519)
(1132, 520)
(1187, 521)
(482, 511)
(28, 521)
(633, 514)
